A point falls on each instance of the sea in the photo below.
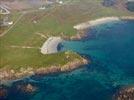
(110, 49)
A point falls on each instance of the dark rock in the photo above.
(3, 93)
(109, 3)
(126, 93)
(27, 88)
(130, 6)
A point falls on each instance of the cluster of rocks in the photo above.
(10, 74)
(73, 65)
(3, 93)
(19, 87)
(26, 88)
(67, 67)
(125, 94)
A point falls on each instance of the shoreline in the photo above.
(100, 21)
(83, 27)
(95, 22)
(49, 47)
(127, 18)
(10, 75)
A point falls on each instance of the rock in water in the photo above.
(28, 88)
(3, 93)
(125, 94)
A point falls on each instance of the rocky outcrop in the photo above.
(81, 34)
(126, 93)
(10, 74)
(3, 93)
(27, 88)
(127, 17)
(67, 67)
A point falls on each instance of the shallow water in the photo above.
(110, 47)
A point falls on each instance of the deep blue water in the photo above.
(110, 47)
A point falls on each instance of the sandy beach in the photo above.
(99, 21)
(95, 22)
(50, 46)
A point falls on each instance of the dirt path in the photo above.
(19, 18)
(12, 25)
(24, 47)
(42, 35)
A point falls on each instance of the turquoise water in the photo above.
(110, 47)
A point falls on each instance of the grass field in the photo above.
(56, 21)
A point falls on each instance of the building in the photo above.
(5, 16)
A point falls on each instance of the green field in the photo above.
(56, 21)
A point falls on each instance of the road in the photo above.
(12, 26)
(19, 18)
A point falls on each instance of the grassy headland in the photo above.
(56, 21)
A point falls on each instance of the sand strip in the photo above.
(95, 22)
(24, 47)
(50, 46)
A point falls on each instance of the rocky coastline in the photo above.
(127, 18)
(29, 88)
(10, 74)
(126, 93)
